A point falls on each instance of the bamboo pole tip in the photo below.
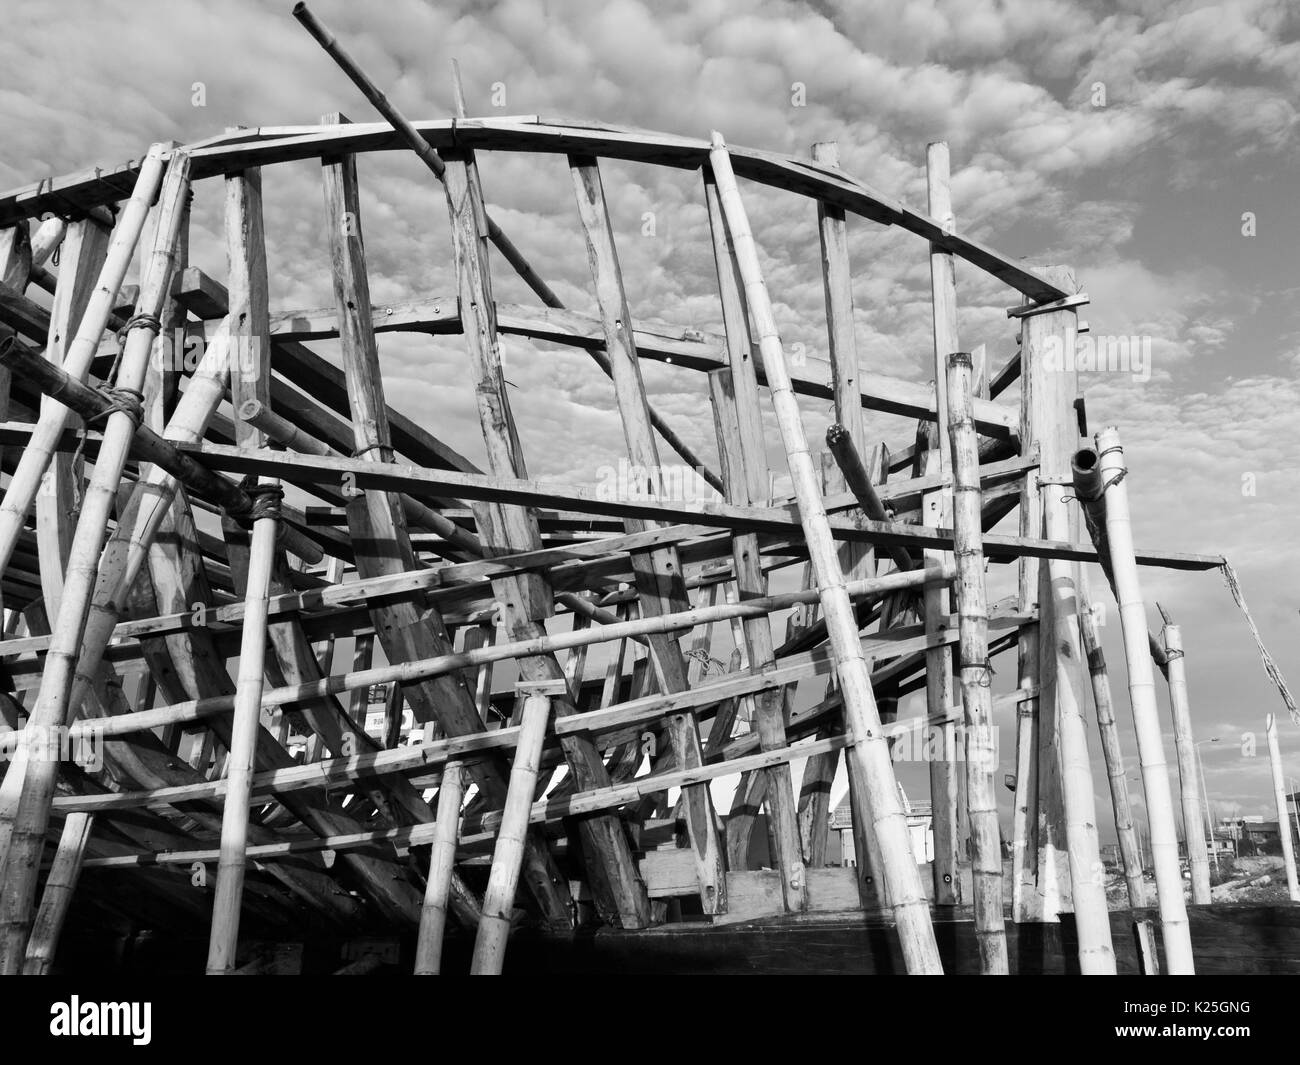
(960, 359)
(716, 140)
(835, 434)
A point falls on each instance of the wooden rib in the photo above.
(658, 572)
(406, 629)
(527, 598)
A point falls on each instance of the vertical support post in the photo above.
(1043, 887)
(1130, 853)
(223, 940)
(1052, 390)
(1142, 694)
(442, 860)
(976, 675)
(947, 814)
(870, 745)
(1189, 789)
(1279, 797)
(507, 856)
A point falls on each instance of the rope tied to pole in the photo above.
(264, 501)
(361, 452)
(1270, 667)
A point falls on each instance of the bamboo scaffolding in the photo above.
(26, 479)
(1189, 782)
(975, 673)
(1100, 475)
(554, 788)
(1279, 797)
(900, 872)
(29, 784)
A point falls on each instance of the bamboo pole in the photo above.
(507, 856)
(1198, 859)
(871, 749)
(29, 784)
(1130, 854)
(223, 940)
(492, 231)
(1279, 796)
(1101, 475)
(947, 779)
(442, 861)
(26, 479)
(975, 673)
(57, 894)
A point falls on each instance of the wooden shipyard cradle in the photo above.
(191, 550)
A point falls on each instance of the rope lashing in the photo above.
(128, 401)
(136, 321)
(1270, 667)
(1101, 492)
(263, 502)
(359, 453)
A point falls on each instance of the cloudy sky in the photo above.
(1148, 145)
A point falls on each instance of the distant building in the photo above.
(920, 824)
(1252, 834)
